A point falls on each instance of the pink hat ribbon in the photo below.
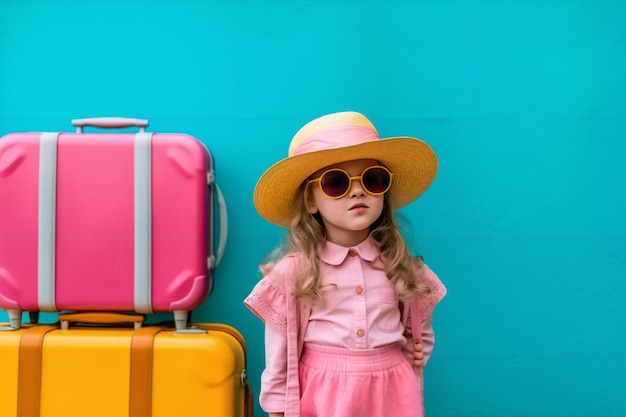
(337, 137)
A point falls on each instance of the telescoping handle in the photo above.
(110, 123)
(100, 318)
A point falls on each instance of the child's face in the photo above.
(347, 219)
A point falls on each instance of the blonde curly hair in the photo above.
(307, 236)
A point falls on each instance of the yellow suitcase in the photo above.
(111, 370)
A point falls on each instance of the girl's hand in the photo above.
(418, 353)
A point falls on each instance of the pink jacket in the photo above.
(292, 320)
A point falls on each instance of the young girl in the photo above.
(347, 309)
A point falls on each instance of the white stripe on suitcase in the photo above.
(46, 218)
(143, 223)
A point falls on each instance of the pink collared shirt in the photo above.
(361, 308)
(360, 312)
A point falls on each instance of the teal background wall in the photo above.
(523, 101)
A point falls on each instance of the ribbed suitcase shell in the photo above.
(85, 373)
(93, 253)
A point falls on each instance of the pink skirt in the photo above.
(336, 382)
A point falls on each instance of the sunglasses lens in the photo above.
(376, 180)
(334, 183)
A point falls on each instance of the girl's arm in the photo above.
(414, 353)
(428, 339)
(274, 378)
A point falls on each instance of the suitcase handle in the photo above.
(100, 318)
(110, 123)
(215, 259)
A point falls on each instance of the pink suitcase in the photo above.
(106, 221)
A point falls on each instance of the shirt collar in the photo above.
(334, 254)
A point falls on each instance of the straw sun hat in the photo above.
(340, 137)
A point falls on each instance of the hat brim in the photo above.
(412, 161)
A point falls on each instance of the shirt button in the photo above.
(359, 289)
(351, 252)
(360, 332)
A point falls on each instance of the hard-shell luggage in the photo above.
(102, 371)
(106, 221)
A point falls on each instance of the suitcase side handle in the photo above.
(214, 259)
(100, 318)
(110, 123)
